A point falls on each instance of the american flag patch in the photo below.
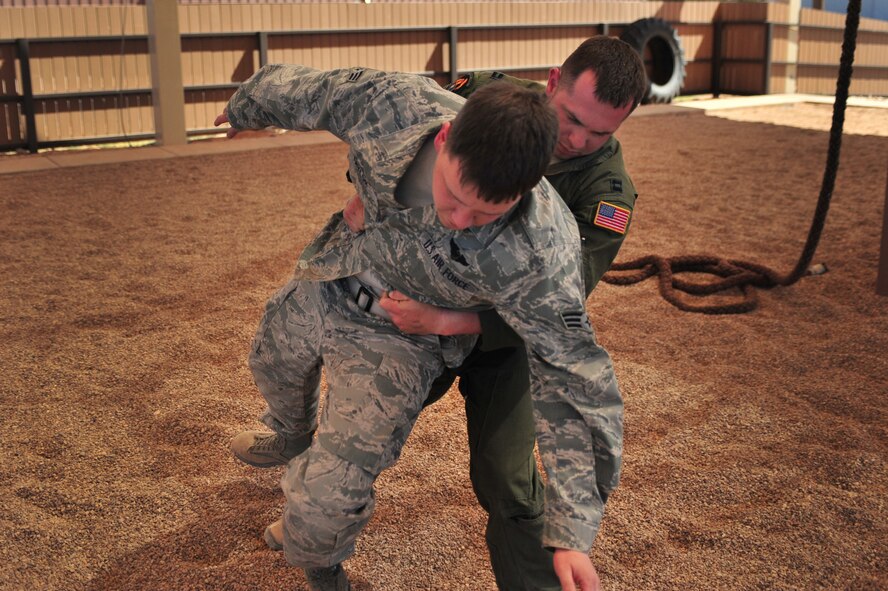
(575, 320)
(613, 217)
(353, 77)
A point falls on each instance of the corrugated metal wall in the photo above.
(821, 48)
(112, 73)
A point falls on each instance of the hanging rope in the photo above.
(739, 274)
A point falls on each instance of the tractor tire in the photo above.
(659, 46)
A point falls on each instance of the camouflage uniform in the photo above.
(494, 378)
(526, 265)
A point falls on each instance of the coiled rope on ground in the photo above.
(742, 275)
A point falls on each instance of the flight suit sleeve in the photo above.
(601, 238)
(578, 407)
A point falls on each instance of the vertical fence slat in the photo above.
(453, 34)
(766, 59)
(28, 103)
(716, 58)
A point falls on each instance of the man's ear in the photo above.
(552, 82)
(441, 137)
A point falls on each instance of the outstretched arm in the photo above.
(223, 118)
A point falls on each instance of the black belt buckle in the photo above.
(368, 298)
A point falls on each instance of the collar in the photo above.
(606, 151)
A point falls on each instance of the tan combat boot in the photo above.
(266, 450)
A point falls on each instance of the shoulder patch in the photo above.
(617, 185)
(612, 217)
(576, 320)
(496, 75)
(353, 77)
(459, 83)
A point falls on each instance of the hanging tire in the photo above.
(659, 46)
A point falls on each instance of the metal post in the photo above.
(769, 38)
(882, 281)
(604, 28)
(715, 80)
(29, 106)
(454, 38)
(263, 48)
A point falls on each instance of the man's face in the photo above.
(584, 122)
(457, 204)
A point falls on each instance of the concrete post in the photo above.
(792, 46)
(167, 91)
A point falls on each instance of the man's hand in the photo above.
(414, 317)
(354, 214)
(223, 118)
(575, 571)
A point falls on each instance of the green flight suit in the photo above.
(494, 378)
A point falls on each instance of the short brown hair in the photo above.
(619, 71)
(503, 137)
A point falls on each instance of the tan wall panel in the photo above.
(92, 118)
(201, 107)
(9, 74)
(482, 49)
(822, 80)
(208, 17)
(742, 78)
(698, 78)
(833, 19)
(696, 41)
(54, 21)
(872, 49)
(690, 12)
(778, 79)
(104, 65)
(11, 124)
(742, 12)
(743, 41)
(817, 80)
(819, 46)
(779, 43)
(409, 52)
(778, 13)
(218, 61)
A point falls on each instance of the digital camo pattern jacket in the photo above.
(526, 265)
(589, 185)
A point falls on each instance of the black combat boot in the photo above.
(329, 578)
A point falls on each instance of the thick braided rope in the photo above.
(739, 274)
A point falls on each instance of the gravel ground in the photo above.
(755, 444)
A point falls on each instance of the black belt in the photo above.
(364, 298)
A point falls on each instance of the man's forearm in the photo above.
(455, 322)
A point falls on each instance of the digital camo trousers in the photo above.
(377, 380)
